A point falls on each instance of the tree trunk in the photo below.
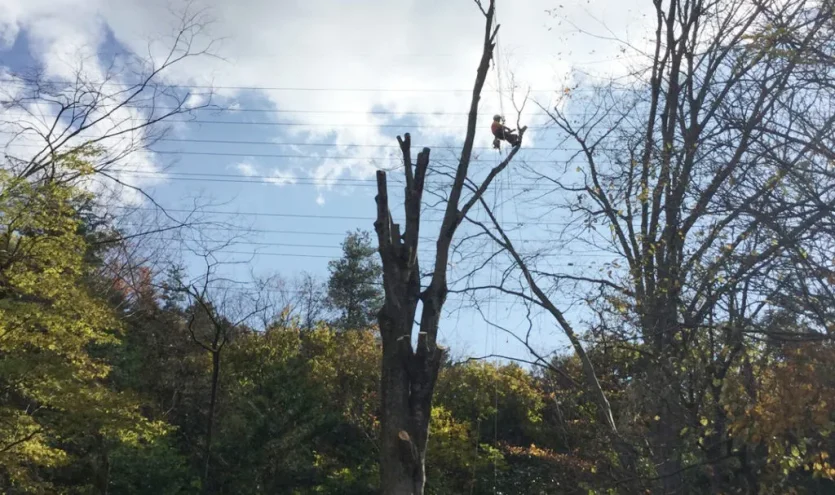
(665, 386)
(402, 456)
(103, 472)
(210, 420)
(408, 375)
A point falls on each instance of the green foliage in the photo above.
(154, 467)
(53, 389)
(479, 391)
(105, 390)
(299, 412)
(354, 286)
(459, 462)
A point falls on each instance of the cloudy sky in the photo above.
(315, 92)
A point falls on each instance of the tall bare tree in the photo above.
(216, 309)
(409, 373)
(708, 182)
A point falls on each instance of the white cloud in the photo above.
(277, 177)
(281, 178)
(195, 100)
(246, 169)
(402, 45)
(25, 125)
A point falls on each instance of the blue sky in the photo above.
(372, 64)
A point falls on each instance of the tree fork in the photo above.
(409, 375)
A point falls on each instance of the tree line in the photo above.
(134, 384)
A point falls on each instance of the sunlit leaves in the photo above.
(49, 324)
(792, 417)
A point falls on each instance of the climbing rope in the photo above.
(497, 59)
(498, 202)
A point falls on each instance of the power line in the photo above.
(330, 145)
(287, 215)
(326, 145)
(283, 181)
(391, 159)
(573, 254)
(459, 297)
(288, 255)
(334, 145)
(254, 214)
(13, 80)
(398, 55)
(244, 230)
(306, 157)
(247, 230)
(232, 110)
(539, 127)
(253, 243)
(254, 179)
(323, 256)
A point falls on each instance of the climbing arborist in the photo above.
(502, 133)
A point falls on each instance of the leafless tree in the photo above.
(88, 127)
(310, 305)
(217, 308)
(708, 184)
(409, 374)
(299, 301)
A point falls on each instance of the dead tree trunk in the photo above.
(409, 374)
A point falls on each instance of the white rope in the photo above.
(499, 202)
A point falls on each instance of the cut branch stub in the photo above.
(405, 148)
(383, 223)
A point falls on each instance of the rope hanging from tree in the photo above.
(497, 128)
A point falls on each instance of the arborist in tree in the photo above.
(502, 133)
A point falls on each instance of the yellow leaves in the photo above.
(791, 418)
(50, 321)
(619, 305)
(22, 443)
(475, 388)
(643, 196)
(452, 444)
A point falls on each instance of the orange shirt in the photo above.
(496, 128)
